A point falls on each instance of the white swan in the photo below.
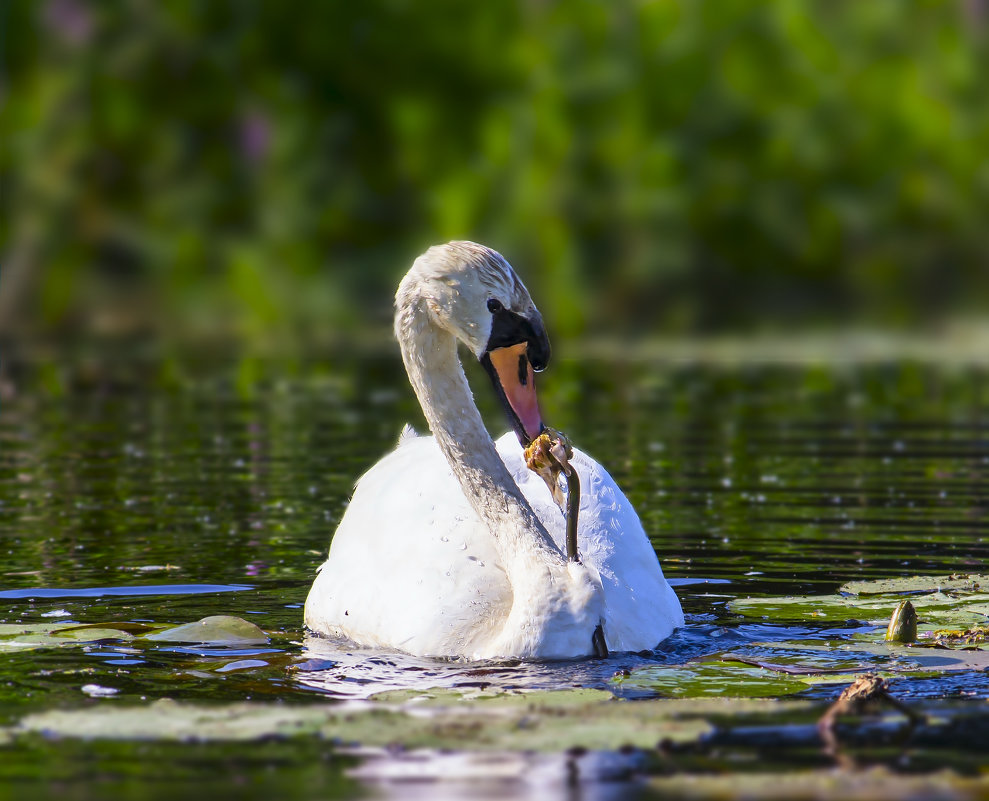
(450, 546)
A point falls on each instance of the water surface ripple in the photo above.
(127, 498)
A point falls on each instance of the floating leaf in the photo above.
(933, 608)
(543, 721)
(94, 633)
(957, 582)
(899, 659)
(959, 600)
(712, 679)
(213, 630)
(47, 635)
(493, 697)
(20, 629)
(816, 784)
(126, 626)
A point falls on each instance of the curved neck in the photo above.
(430, 357)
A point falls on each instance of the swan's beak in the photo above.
(515, 382)
(517, 348)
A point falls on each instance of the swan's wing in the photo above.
(642, 608)
(410, 566)
(408, 435)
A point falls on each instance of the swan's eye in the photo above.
(494, 305)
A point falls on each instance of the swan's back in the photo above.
(413, 566)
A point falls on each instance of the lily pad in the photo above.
(11, 630)
(126, 626)
(214, 630)
(553, 699)
(17, 637)
(550, 727)
(957, 582)
(878, 656)
(90, 634)
(517, 721)
(815, 784)
(934, 608)
(712, 679)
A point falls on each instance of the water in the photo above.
(127, 494)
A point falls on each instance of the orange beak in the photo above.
(514, 378)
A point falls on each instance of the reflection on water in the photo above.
(343, 671)
(590, 776)
(32, 594)
(126, 498)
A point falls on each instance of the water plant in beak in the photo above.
(548, 456)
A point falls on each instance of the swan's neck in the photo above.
(430, 356)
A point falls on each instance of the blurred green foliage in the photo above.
(266, 171)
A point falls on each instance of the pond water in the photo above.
(140, 493)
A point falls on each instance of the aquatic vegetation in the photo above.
(974, 635)
(902, 623)
(548, 455)
(215, 630)
(941, 600)
(544, 721)
(212, 630)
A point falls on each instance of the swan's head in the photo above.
(473, 292)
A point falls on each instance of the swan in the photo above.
(451, 547)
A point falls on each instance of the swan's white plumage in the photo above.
(451, 547)
(445, 592)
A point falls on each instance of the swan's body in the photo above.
(451, 547)
(457, 595)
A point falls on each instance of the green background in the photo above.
(264, 172)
